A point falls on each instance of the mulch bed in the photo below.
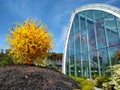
(24, 77)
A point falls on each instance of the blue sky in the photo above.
(53, 13)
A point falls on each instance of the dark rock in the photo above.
(21, 77)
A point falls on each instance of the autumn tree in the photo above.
(29, 42)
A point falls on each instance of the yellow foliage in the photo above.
(28, 41)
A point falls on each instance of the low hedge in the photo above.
(83, 83)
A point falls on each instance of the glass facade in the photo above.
(93, 42)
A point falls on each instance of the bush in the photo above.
(6, 61)
(83, 83)
(87, 85)
(107, 86)
(95, 76)
(102, 79)
(115, 80)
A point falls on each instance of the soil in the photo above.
(24, 77)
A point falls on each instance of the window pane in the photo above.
(78, 65)
(91, 37)
(77, 43)
(71, 44)
(94, 63)
(103, 60)
(113, 54)
(72, 29)
(101, 40)
(67, 65)
(97, 15)
(89, 14)
(85, 63)
(76, 23)
(72, 65)
(110, 25)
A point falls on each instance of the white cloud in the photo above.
(60, 41)
(61, 17)
(63, 34)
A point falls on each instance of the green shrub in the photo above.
(95, 76)
(83, 83)
(87, 85)
(7, 60)
(115, 80)
(102, 79)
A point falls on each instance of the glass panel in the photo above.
(97, 15)
(71, 44)
(114, 56)
(94, 63)
(67, 54)
(77, 43)
(118, 23)
(82, 13)
(83, 35)
(106, 14)
(82, 23)
(110, 22)
(114, 40)
(71, 40)
(103, 60)
(111, 29)
(89, 14)
(76, 23)
(101, 37)
(85, 62)
(91, 37)
(78, 65)
(67, 65)
(72, 29)
(72, 65)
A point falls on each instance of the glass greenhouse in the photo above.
(93, 40)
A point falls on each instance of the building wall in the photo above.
(93, 42)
